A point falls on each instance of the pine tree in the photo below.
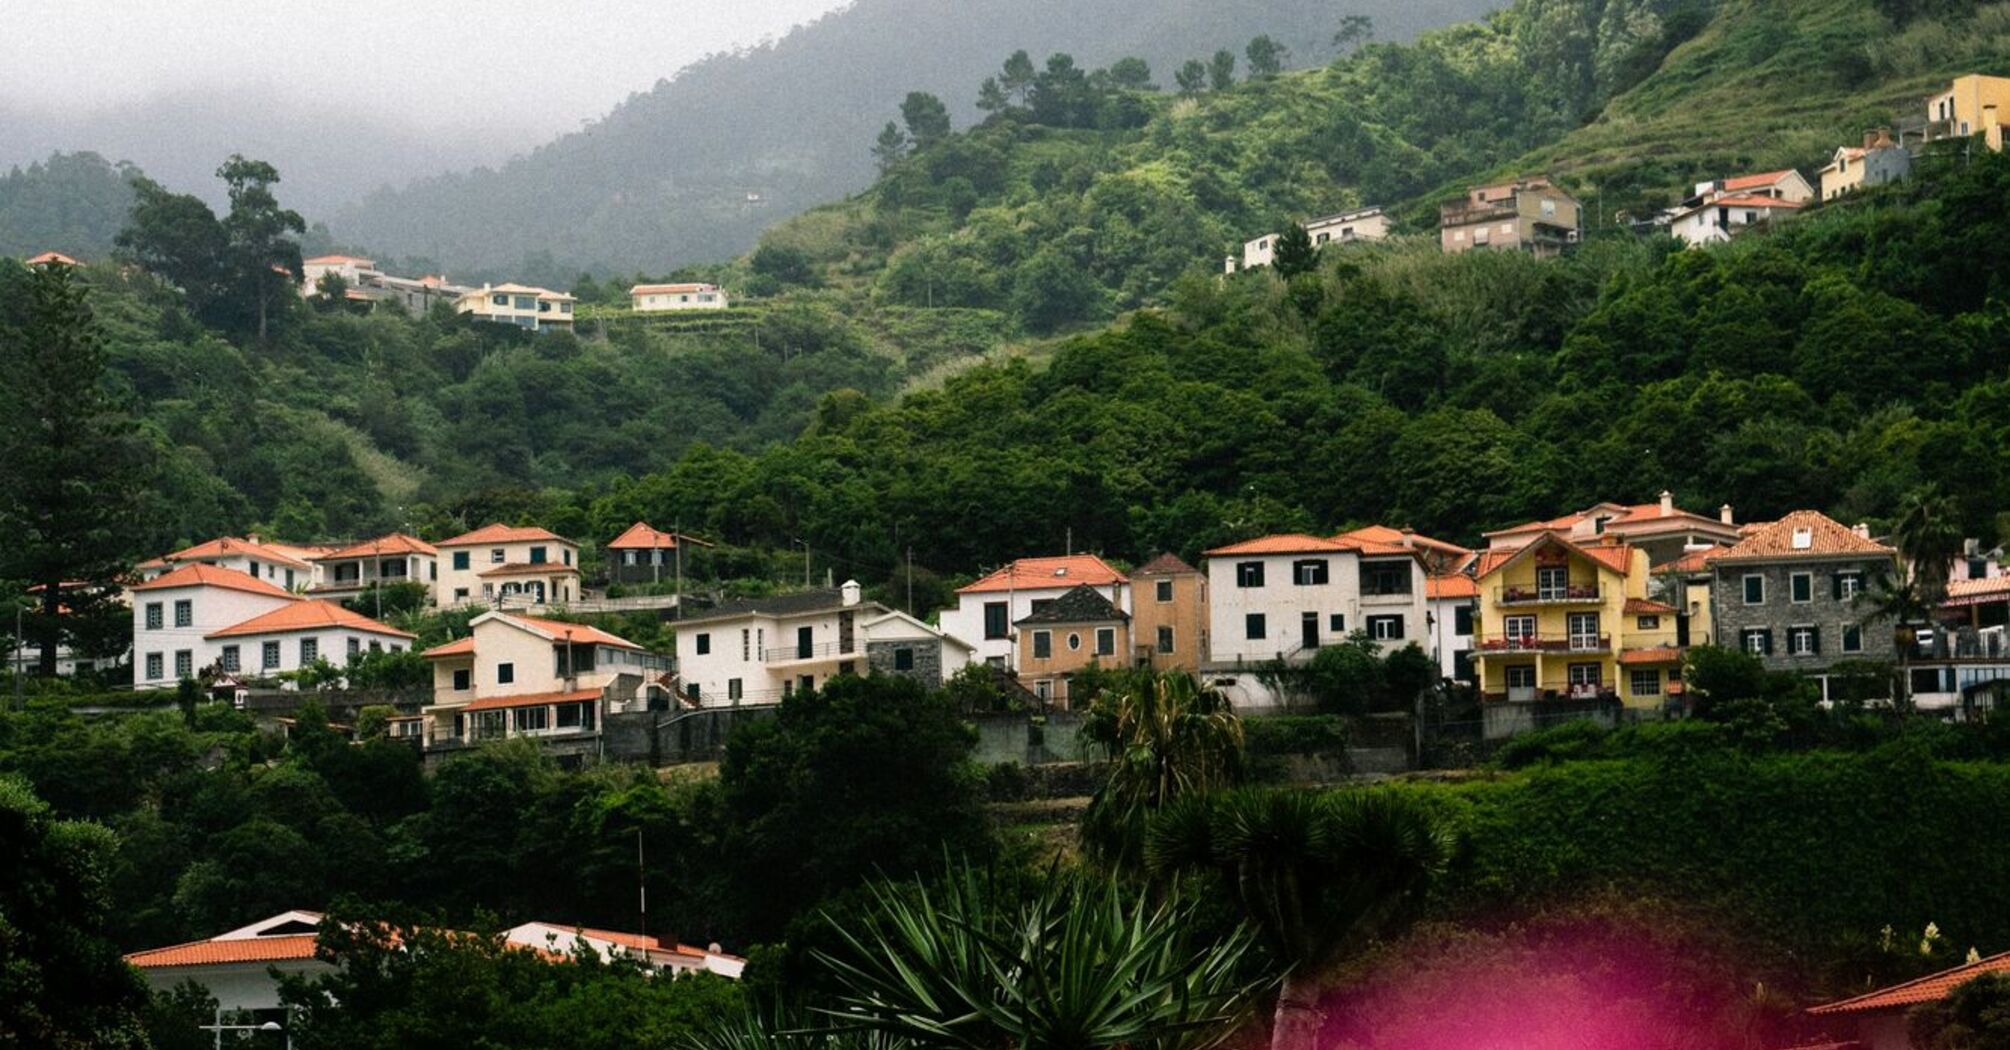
(266, 261)
(990, 97)
(1191, 78)
(1294, 253)
(73, 461)
(927, 119)
(1018, 78)
(1266, 57)
(1221, 70)
(892, 146)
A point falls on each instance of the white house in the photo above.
(516, 675)
(284, 565)
(1786, 184)
(347, 572)
(504, 564)
(1719, 218)
(296, 635)
(352, 269)
(986, 610)
(1453, 602)
(237, 969)
(1361, 224)
(651, 298)
(655, 952)
(174, 614)
(522, 305)
(897, 643)
(761, 650)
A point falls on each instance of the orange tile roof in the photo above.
(1645, 607)
(1977, 592)
(311, 615)
(1390, 537)
(339, 259)
(1615, 556)
(1926, 989)
(671, 289)
(395, 543)
(497, 703)
(1693, 561)
(1827, 538)
(528, 568)
(457, 647)
(643, 536)
(1747, 200)
(1631, 516)
(499, 533)
(1286, 543)
(218, 952)
(1164, 565)
(1052, 572)
(229, 546)
(202, 574)
(1657, 654)
(1454, 586)
(581, 633)
(1764, 178)
(47, 258)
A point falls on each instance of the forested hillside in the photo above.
(664, 179)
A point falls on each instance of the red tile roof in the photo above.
(643, 536)
(202, 574)
(1827, 538)
(1692, 562)
(671, 289)
(528, 568)
(1455, 586)
(497, 703)
(311, 615)
(1658, 654)
(1053, 572)
(395, 543)
(457, 647)
(230, 546)
(500, 533)
(1977, 592)
(1764, 178)
(1751, 200)
(1391, 537)
(580, 633)
(1615, 556)
(1633, 517)
(339, 259)
(1286, 543)
(1920, 990)
(1644, 607)
(1164, 565)
(235, 950)
(47, 258)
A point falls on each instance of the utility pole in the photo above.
(641, 886)
(20, 651)
(910, 581)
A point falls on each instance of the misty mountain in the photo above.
(693, 169)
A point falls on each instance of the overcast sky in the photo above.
(548, 65)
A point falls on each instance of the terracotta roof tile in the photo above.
(46, 258)
(202, 574)
(1454, 586)
(1383, 534)
(1754, 181)
(395, 543)
(643, 536)
(1164, 565)
(1826, 538)
(528, 568)
(1921, 990)
(1657, 654)
(230, 546)
(1615, 556)
(457, 647)
(1693, 561)
(498, 703)
(580, 633)
(1644, 607)
(499, 533)
(1285, 543)
(1051, 572)
(236, 950)
(308, 616)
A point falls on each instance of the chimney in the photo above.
(1862, 529)
(1877, 138)
(1667, 503)
(1704, 189)
(1409, 539)
(1724, 514)
(848, 594)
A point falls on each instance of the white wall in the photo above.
(482, 558)
(332, 642)
(1283, 602)
(1446, 643)
(966, 619)
(212, 609)
(762, 679)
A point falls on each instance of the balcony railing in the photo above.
(1468, 212)
(779, 654)
(1545, 643)
(1578, 592)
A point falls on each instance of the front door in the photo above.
(1308, 630)
(804, 648)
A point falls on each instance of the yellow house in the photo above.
(519, 304)
(1564, 620)
(1971, 105)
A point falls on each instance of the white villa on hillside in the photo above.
(1361, 224)
(764, 649)
(522, 305)
(200, 616)
(986, 610)
(650, 298)
(516, 675)
(346, 572)
(658, 954)
(502, 563)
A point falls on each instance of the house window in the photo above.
(1462, 621)
(355, 648)
(1309, 573)
(289, 579)
(1385, 628)
(230, 659)
(735, 689)
(1385, 578)
(184, 663)
(499, 300)
(154, 619)
(701, 645)
(463, 680)
(1804, 640)
(903, 659)
(505, 673)
(746, 645)
(496, 556)
(184, 613)
(573, 716)
(1074, 642)
(268, 656)
(995, 617)
(461, 560)
(530, 719)
(1518, 628)
(310, 650)
(460, 594)
(1644, 683)
(1253, 626)
(1165, 639)
(153, 666)
(1756, 640)
(1801, 588)
(537, 556)
(1043, 689)
(1249, 574)
(1163, 590)
(1552, 582)
(1040, 605)
(1852, 638)
(1755, 589)
(1106, 641)
(1521, 676)
(1648, 623)
(1848, 585)
(1043, 645)
(1585, 675)
(1337, 623)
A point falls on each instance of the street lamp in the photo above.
(220, 1028)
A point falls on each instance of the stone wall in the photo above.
(879, 656)
(1779, 613)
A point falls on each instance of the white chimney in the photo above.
(1703, 189)
(1667, 502)
(848, 594)
(1862, 529)
(1724, 514)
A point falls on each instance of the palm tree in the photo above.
(1927, 534)
(1897, 600)
(1163, 735)
(1318, 875)
(1079, 966)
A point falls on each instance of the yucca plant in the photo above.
(1080, 965)
(1316, 875)
(1162, 736)
(784, 1029)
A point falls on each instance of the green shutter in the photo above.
(1815, 640)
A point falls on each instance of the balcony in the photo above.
(1543, 643)
(1580, 593)
(788, 654)
(1466, 212)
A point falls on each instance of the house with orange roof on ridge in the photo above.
(507, 565)
(646, 554)
(287, 566)
(1662, 529)
(690, 295)
(665, 956)
(517, 675)
(1451, 603)
(201, 617)
(237, 969)
(1878, 1020)
(1169, 606)
(51, 258)
(350, 571)
(987, 608)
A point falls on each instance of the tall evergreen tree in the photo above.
(73, 461)
(1294, 253)
(1191, 78)
(926, 117)
(1266, 57)
(1018, 78)
(990, 97)
(1221, 70)
(890, 147)
(263, 258)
